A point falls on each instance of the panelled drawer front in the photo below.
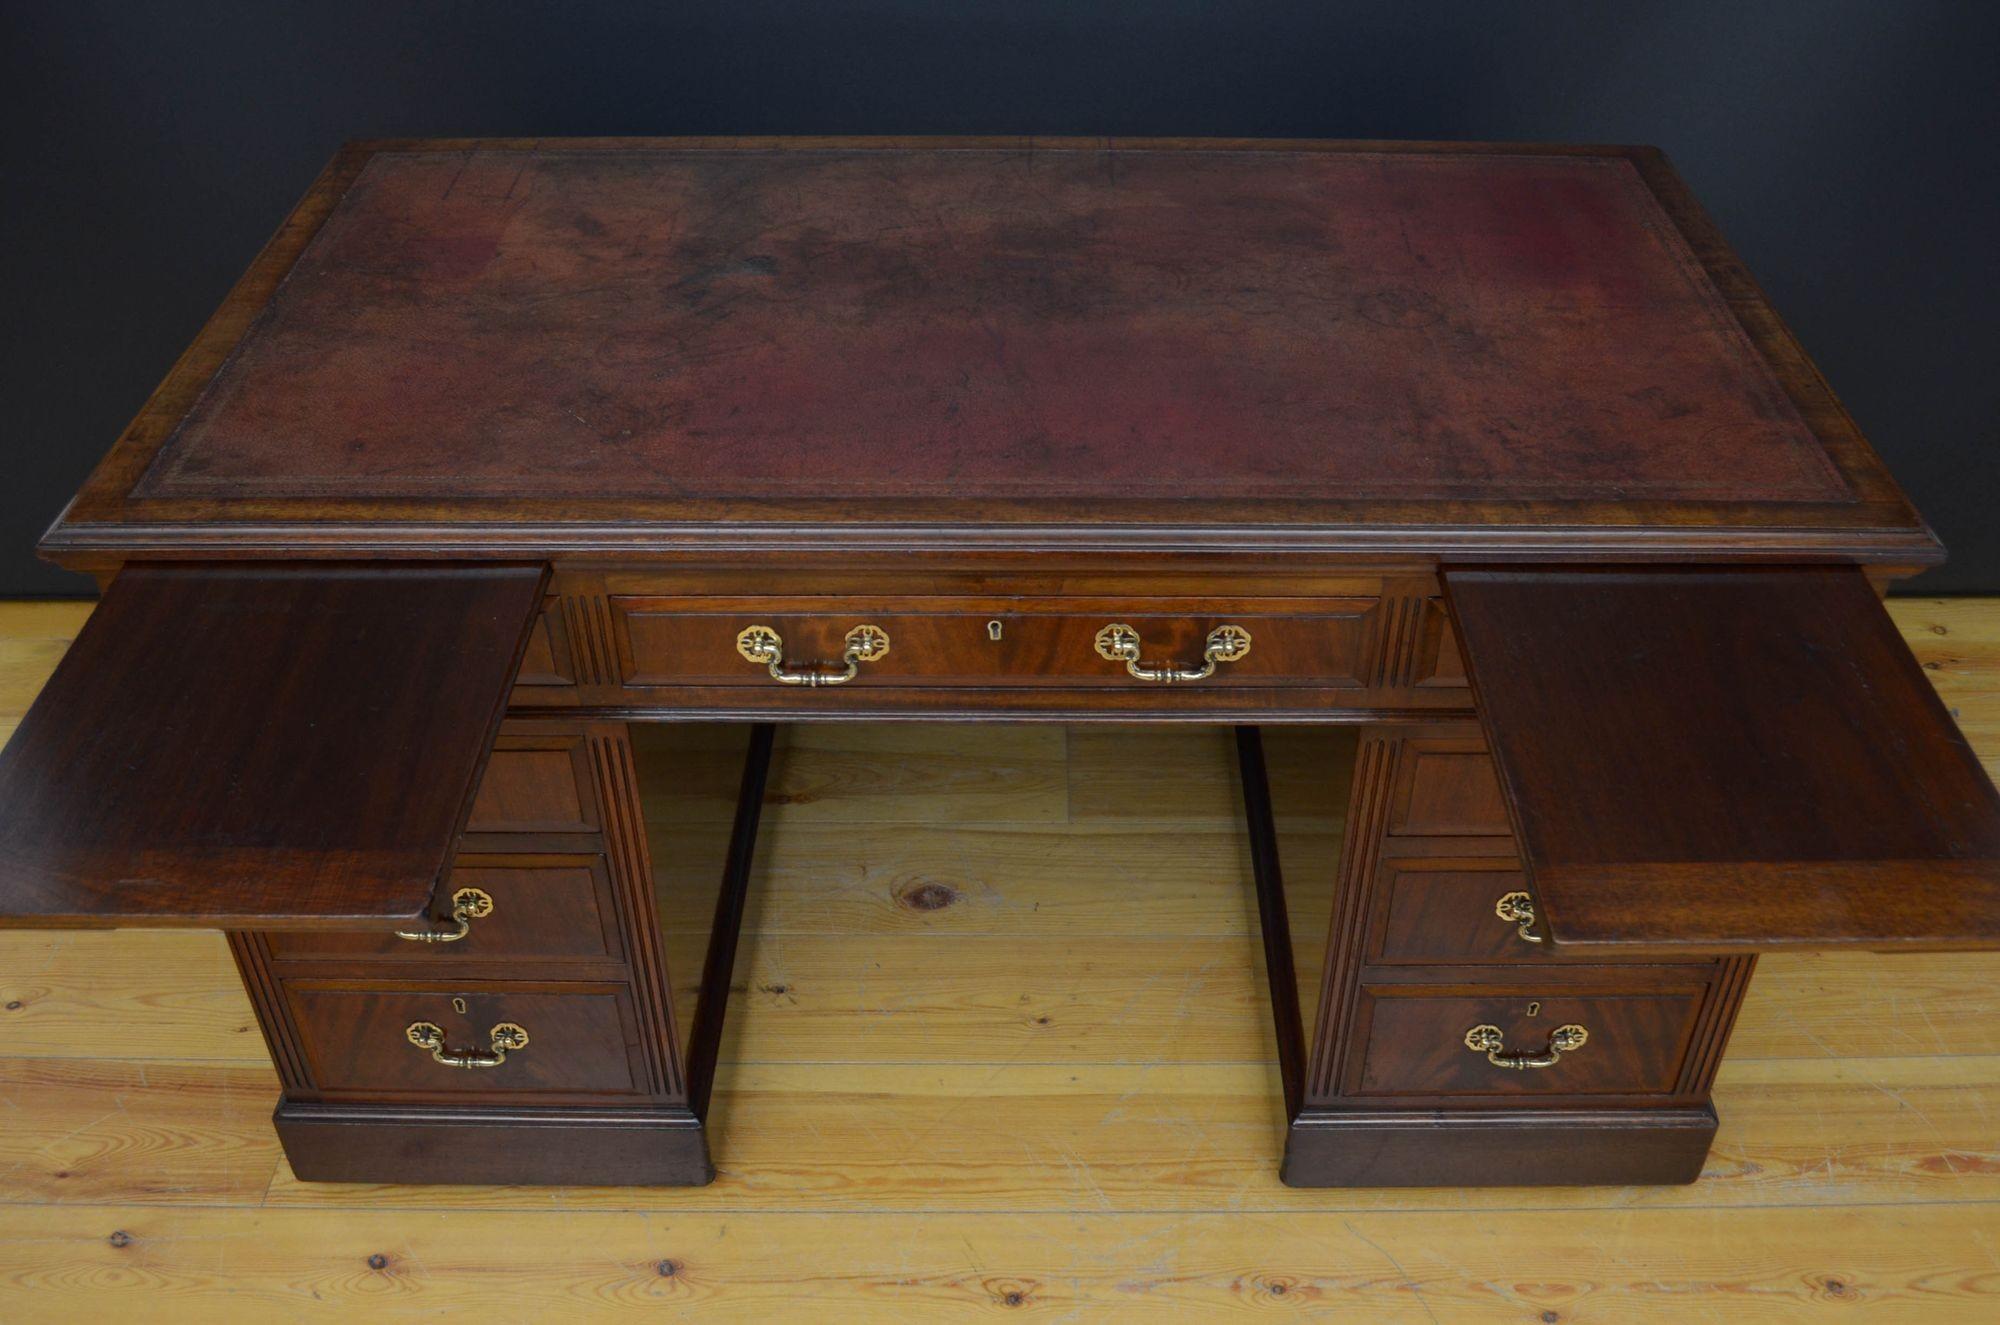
(1447, 787)
(536, 783)
(553, 909)
(1439, 664)
(546, 660)
(1442, 910)
(583, 1039)
(1416, 1041)
(949, 642)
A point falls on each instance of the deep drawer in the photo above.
(582, 1039)
(1416, 1041)
(971, 642)
(554, 909)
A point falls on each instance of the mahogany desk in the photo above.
(1494, 456)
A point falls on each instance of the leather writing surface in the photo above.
(1088, 324)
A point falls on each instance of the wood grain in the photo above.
(1856, 1165)
(88, 995)
(865, 773)
(1169, 1137)
(35, 638)
(1641, 1265)
(149, 1132)
(281, 744)
(1726, 760)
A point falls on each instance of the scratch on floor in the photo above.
(1383, 1252)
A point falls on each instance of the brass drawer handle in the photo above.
(505, 1038)
(467, 905)
(1489, 1041)
(1518, 908)
(1118, 642)
(761, 644)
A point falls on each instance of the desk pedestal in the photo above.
(1585, 1073)
(399, 1054)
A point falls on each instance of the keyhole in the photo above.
(1534, 1009)
(458, 1006)
(993, 630)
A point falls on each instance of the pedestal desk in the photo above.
(1492, 457)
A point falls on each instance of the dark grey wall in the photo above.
(1846, 147)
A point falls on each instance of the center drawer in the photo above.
(663, 641)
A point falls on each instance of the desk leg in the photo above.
(603, 1092)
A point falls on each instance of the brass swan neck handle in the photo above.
(1489, 1041)
(467, 905)
(1119, 642)
(506, 1038)
(762, 644)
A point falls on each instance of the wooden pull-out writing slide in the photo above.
(260, 746)
(1726, 760)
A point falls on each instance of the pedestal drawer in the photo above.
(536, 782)
(1447, 786)
(1451, 909)
(1448, 910)
(1429, 1042)
(580, 1039)
(533, 908)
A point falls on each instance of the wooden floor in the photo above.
(998, 1044)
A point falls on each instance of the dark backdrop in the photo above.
(1846, 146)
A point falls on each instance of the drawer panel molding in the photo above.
(536, 782)
(1447, 787)
(539, 908)
(1435, 1044)
(1448, 909)
(577, 1039)
(980, 642)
